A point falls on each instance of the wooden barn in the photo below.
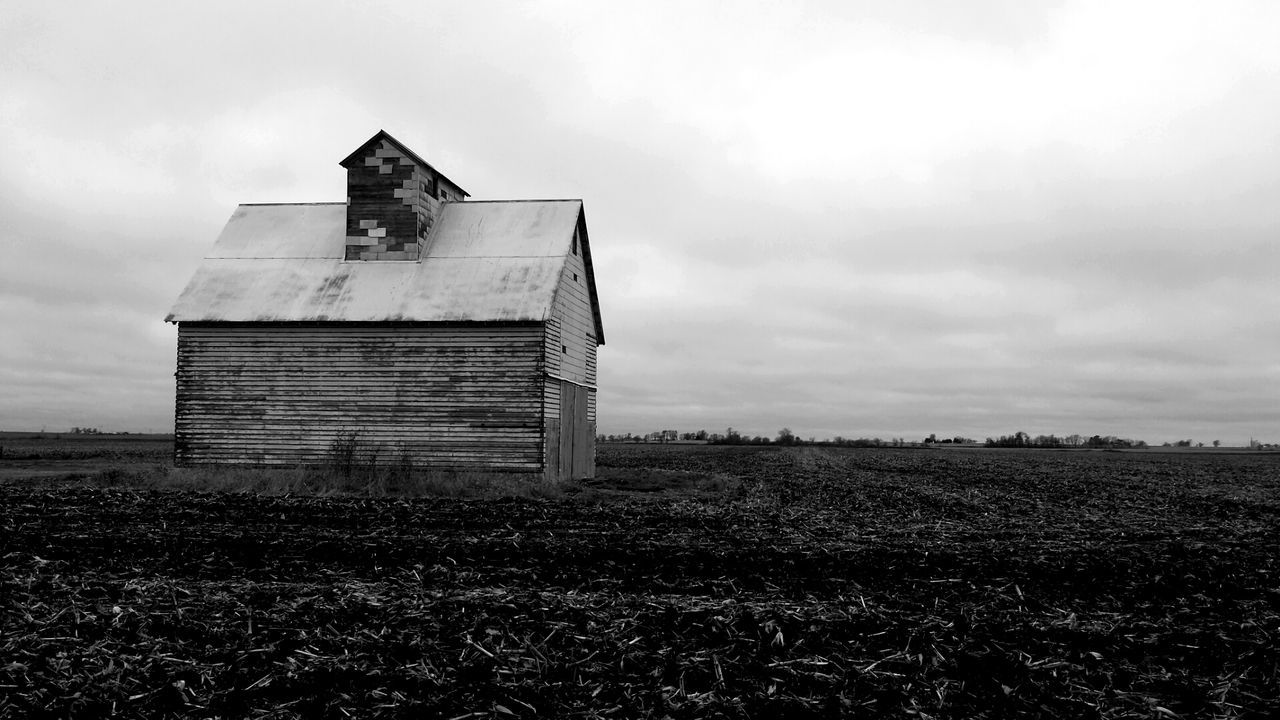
(459, 334)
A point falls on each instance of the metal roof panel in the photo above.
(486, 261)
(267, 290)
(541, 228)
(284, 231)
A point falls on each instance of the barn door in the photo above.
(583, 437)
(568, 400)
(575, 449)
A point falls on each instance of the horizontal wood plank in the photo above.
(448, 396)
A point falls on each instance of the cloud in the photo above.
(846, 218)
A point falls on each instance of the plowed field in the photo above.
(686, 582)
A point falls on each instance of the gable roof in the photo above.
(384, 135)
(486, 261)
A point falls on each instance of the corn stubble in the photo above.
(817, 583)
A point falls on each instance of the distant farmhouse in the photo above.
(458, 334)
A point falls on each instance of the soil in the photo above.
(687, 581)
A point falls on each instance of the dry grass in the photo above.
(353, 467)
(323, 482)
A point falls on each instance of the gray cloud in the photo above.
(845, 218)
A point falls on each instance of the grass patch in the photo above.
(381, 482)
(353, 466)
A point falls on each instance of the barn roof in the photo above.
(486, 261)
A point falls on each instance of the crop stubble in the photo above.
(817, 582)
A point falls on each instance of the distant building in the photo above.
(459, 334)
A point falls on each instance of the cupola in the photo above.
(393, 199)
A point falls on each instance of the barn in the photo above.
(456, 334)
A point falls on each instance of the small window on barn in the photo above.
(430, 188)
(575, 277)
(564, 349)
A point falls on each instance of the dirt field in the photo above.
(54, 455)
(687, 582)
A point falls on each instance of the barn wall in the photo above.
(463, 397)
(573, 355)
(570, 347)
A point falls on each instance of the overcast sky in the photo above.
(865, 219)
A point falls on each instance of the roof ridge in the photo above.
(462, 202)
(527, 200)
(265, 204)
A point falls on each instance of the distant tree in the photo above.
(786, 437)
(1016, 440)
(730, 437)
(1217, 443)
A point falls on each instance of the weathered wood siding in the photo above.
(465, 396)
(570, 347)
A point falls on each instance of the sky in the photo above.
(866, 219)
